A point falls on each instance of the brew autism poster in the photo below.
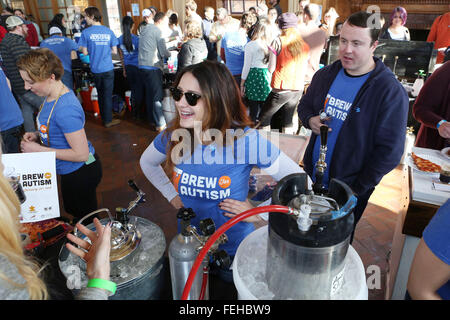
(33, 177)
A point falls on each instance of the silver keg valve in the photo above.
(304, 222)
(321, 164)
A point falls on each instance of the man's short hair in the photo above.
(208, 8)
(158, 16)
(191, 5)
(312, 10)
(94, 13)
(363, 19)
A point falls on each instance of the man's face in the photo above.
(272, 15)
(23, 29)
(209, 14)
(272, 2)
(356, 50)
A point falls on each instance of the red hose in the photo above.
(227, 225)
(204, 283)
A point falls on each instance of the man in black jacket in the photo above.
(12, 47)
(366, 109)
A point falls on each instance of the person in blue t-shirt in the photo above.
(366, 108)
(11, 119)
(429, 276)
(65, 49)
(60, 124)
(100, 42)
(129, 52)
(211, 175)
(233, 44)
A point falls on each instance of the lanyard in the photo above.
(48, 120)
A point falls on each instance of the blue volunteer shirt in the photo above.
(67, 117)
(130, 58)
(233, 44)
(337, 105)
(437, 237)
(99, 40)
(63, 48)
(212, 174)
(10, 114)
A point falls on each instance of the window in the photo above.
(13, 4)
(239, 6)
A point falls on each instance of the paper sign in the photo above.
(135, 9)
(35, 175)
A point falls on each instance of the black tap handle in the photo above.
(323, 135)
(133, 186)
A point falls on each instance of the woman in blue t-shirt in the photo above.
(129, 51)
(209, 150)
(60, 124)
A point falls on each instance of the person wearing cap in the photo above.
(100, 43)
(147, 17)
(287, 63)
(32, 35)
(365, 108)
(65, 49)
(12, 47)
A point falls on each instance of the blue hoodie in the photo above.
(371, 141)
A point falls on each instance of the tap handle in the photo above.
(323, 135)
(133, 186)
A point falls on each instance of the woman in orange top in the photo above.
(287, 63)
(440, 34)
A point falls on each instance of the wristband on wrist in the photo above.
(102, 284)
(440, 122)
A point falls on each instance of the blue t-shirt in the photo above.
(337, 105)
(10, 114)
(99, 40)
(212, 174)
(67, 117)
(130, 58)
(437, 237)
(233, 44)
(63, 48)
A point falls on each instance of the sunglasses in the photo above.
(191, 98)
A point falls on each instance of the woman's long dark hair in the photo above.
(224, 106)
(57, 22)
(127, 25)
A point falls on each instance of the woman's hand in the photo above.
(30, 146)
(177, 203)
(235, 207)
(30, 136)
(96, 253)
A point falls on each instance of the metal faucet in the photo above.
(321, 165)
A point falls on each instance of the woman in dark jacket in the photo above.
(58, 21)
(194, 48)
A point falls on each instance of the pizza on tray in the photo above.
(424, 164)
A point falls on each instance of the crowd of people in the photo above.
(266, 68)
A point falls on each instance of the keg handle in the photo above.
(75, 230)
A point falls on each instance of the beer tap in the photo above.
(321, 165)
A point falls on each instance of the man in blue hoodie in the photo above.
(366, 110)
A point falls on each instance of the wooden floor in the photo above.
(120, 148)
